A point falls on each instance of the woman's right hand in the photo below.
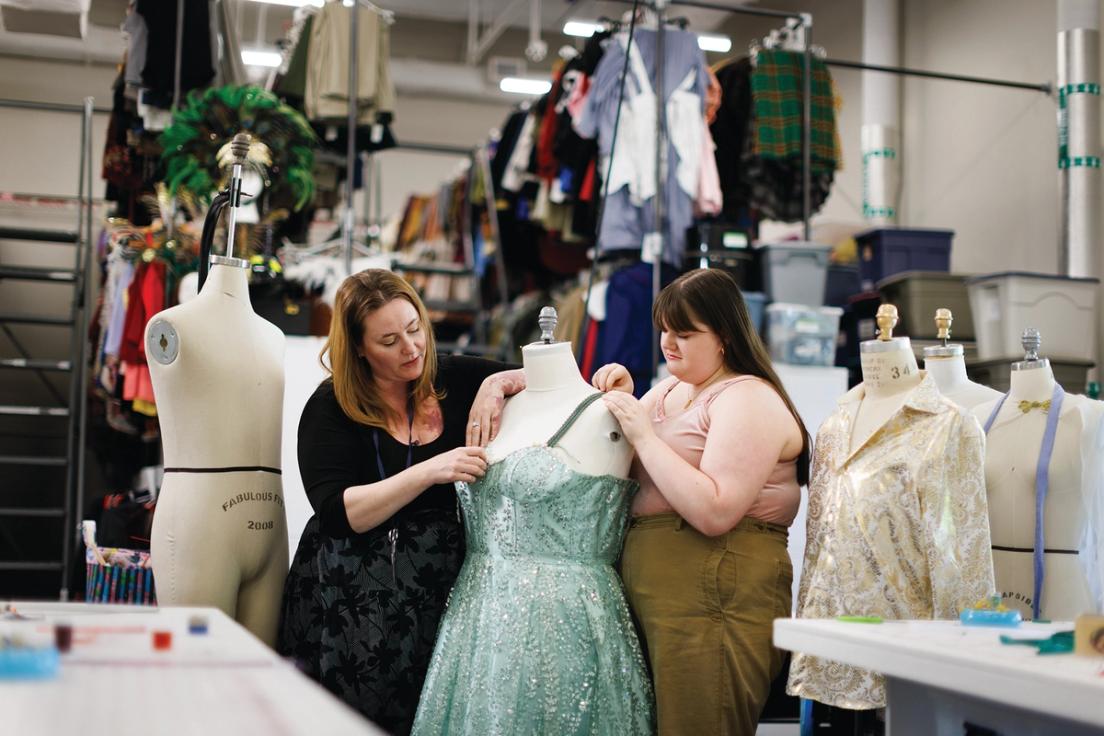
(463, 463)
(612, 377)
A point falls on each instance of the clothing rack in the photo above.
(478, 164)
(805, 21)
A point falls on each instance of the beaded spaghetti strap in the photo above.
(571, 419)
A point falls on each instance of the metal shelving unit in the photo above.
(70, 407)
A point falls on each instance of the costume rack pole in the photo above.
(807, 126)
(1045, 88)
(179, 58)
(350, 147)
(660, 159)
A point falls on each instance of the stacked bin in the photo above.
(799, 329)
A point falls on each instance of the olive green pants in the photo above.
(705, 607)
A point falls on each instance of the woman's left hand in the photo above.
(486, 410)
(630, 414)
(485, 413)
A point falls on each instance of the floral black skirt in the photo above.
(363, 627)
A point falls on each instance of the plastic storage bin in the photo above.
(917, 294)
(885, 251)
(756, 304)
(795, 272)
(1062, 308)
(803, 335)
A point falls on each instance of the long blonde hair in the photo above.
(359, 296)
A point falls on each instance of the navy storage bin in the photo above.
(885, 251)
(756, 305)
(842, 283)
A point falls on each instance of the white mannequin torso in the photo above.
(889, 372)
(1012, 454)
(950, 376)
(553, 388)
(219, 536)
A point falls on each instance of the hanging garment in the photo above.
(772, 161)
(159, 72)
(626, 335)
(897, 528)
(537, 635)
(1040, 513)
(326, 91)
(134, 26)
(710, 199)
(629, 208)
(730, 130)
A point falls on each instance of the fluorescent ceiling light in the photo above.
(580, 28)
(294, 3)
(706, 41)
(519, 86)
(257, 57)
(712, 42)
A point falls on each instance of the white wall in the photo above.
(981, 160)
(39, 151)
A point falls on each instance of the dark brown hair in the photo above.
(711, 298)
(357, 297)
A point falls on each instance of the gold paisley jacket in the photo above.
(897, 528)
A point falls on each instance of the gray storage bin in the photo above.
(1072, 375)
(795, 272)
(917, 294)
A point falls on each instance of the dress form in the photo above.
(1012, 455)
(553, 388)
(947, 365)
(219, 534)
(889, 372)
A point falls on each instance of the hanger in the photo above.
(386, 15)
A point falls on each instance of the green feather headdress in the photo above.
(210, 118)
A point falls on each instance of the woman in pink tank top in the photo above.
(721, 454)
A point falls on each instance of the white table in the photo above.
(112, 682)
(940, 675)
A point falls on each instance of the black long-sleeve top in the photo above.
(335, 452)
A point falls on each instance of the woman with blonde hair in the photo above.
(381, 441)
(721, 455)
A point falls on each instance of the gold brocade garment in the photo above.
(899, 528)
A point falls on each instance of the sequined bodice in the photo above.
(537, 637)
(531, 504)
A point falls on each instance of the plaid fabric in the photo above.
(776, 83)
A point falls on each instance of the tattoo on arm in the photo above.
(510, 382)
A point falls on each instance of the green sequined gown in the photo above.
(537, 637)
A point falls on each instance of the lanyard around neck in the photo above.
(409, 441)
(1042, 485)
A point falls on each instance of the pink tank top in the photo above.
(685, 432)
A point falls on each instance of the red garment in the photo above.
(548, 167)
(590, 349)
(145, 298)
(586, 191)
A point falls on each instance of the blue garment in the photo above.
(626, 335)
(537, 638)
(623, 223)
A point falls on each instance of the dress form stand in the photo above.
(1017, 438)
(889, 372)
(219, 534)
(947, 365)
(553, 388)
